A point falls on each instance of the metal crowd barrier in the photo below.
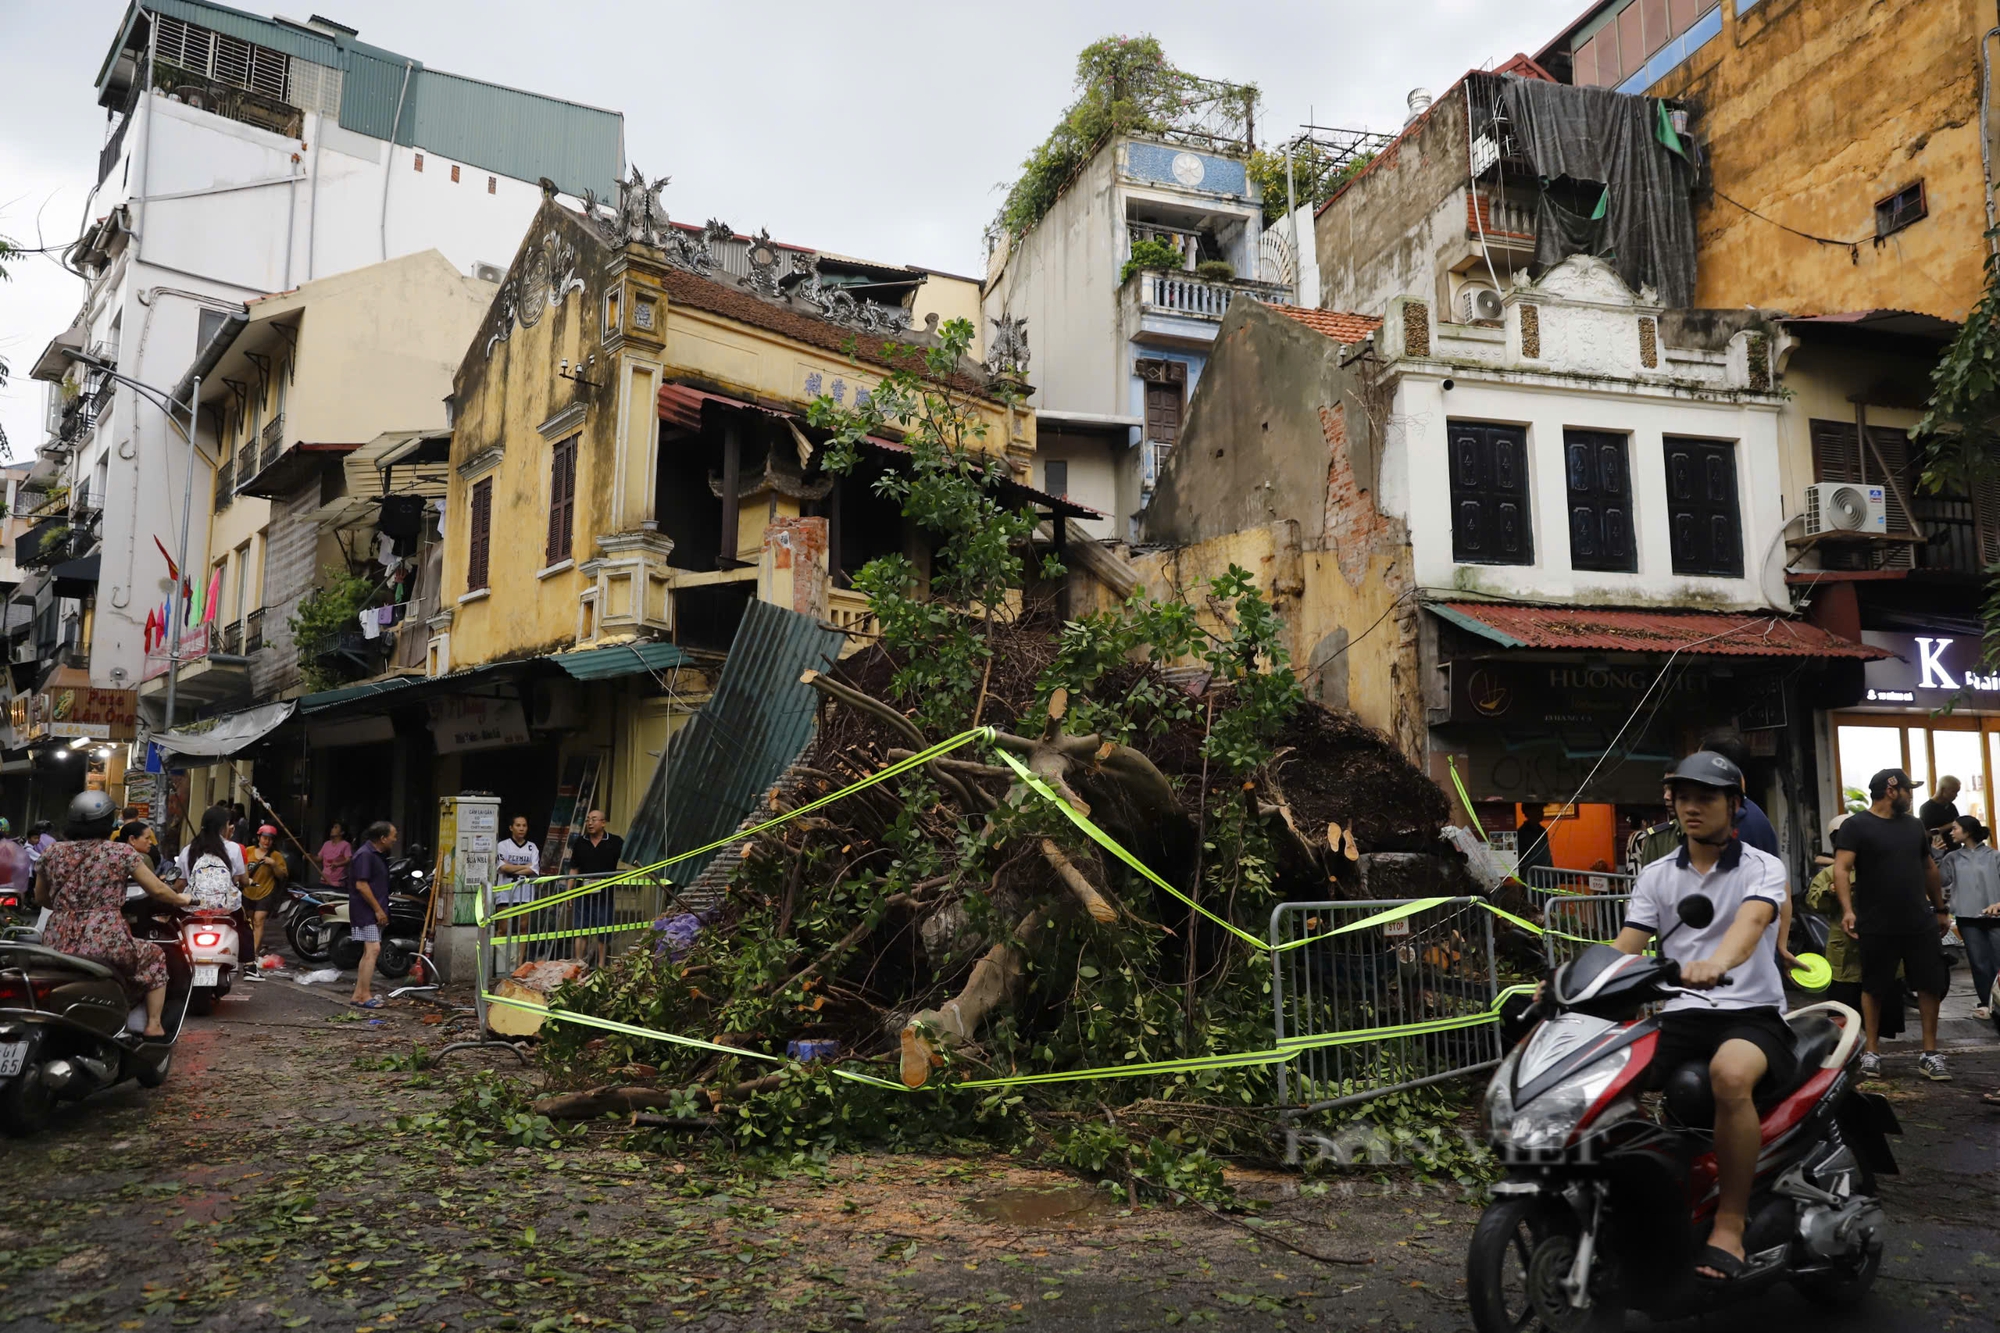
(1546, 882)
(593, 928)
(1437, 964)
(1595, 916)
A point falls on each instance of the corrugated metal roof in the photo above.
(517, 133)
(624, 659)
(325, 699)
(758, 720)
(1605, 629)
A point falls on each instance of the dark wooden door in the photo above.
(1703, 511)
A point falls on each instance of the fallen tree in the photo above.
(958, 926)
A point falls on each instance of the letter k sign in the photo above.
(1930, 653)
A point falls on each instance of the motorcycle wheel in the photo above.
(1841, 1289)
(151, 1076)
(25, 1104)
(201, 1001)
(307, 935)
(1518, 1248)
(394, 961)
(342, 949)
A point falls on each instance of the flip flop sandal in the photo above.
(374, 1002)
(1722, 1261)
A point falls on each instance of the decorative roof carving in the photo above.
(1007, 354)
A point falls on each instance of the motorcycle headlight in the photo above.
(1496, 1114)
(1546, 1123)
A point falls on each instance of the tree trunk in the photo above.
(995, 980)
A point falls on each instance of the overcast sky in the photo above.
(883, 131)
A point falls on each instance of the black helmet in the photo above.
(1710, 770)
(91, 815)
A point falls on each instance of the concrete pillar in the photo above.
(792, 567)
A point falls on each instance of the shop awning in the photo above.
(624, 659)
(76, 578)
(1605, 629)
(230, 734)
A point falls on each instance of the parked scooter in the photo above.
(1606, 1203)
(308, 917)
(68, 1028)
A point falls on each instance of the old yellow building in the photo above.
(1841, 142)
(631, 463)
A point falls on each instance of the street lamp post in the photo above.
(176, 610)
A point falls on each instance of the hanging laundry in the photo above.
(371, 627)
(385, 615)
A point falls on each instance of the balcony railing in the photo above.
(238, 104)
(1951, 525)
(272, 444)
(47, 543)
(232, 639)
(253, 631)
(225, 483)
(850, 613)
(1182, 294)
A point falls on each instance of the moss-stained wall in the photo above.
(1812, 110)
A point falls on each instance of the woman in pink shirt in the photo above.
(334, 855)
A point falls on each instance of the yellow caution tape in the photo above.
(1451, 762)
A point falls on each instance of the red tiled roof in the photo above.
(1338, 325)
(1602, 629)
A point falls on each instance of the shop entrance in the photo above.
(1928, 748)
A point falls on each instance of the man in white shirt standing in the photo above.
(519, 860)
(1742, 1036)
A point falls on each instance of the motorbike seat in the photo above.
(31, 955)
(1692, 1101)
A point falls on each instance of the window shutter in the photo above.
(562, 501)
(480, 545)
(1491, 520)
(1703, 512)
(1600, 501)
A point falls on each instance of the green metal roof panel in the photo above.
(524, 135)
(370, 85)
(755, 724)
(625, 659)
(266, 32)
(314, 703)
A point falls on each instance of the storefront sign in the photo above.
(76, 712)
(473, 723)
(1556, 694)
(1928, 671)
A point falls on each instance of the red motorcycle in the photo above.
(1607, 1202)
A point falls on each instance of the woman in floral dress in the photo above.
(83, 881)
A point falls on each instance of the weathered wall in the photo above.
(1811, 111)
(1253, 449)
(1062, 277)
(1398, 226)
(1818, 378)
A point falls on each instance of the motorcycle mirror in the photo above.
(1696, 910)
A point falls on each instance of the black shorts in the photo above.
(1919, 953)
(1694, 1036)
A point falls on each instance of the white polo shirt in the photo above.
(1741, 874)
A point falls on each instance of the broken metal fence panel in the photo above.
(1433, 972)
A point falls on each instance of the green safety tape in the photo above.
(901, 766)
(1451, 762)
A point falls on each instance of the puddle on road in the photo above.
(1063, 1205)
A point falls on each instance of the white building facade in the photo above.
(245, 156)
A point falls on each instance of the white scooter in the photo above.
(210, 937)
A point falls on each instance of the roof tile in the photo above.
(1338, 325)
(1605, 629)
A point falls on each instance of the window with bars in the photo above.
(562, 501)
(218, 56)
(1704, 515)
(481, 530)
(1900, 209)
(1600, 501)
(1490, 519)
(1961, 532)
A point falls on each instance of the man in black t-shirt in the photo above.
(595, 851)
(1897, 916)
(1941, 811)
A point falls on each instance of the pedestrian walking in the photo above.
(1970, 872)
(595, 851)
(368, 906)
(1898, 915)
(334, 855)
(269, 874)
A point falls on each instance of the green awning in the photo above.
(313, 703)
(623, 659)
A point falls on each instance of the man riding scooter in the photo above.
(1742, 1035)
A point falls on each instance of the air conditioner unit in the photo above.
(488, 272)
(1478, 302)
(1846, 507)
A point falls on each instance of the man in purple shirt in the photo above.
(368, 905)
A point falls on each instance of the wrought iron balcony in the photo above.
(272, 443)
(47, 543)
(232, 640)
(225, 487)
(253, 631)
(238, 104)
